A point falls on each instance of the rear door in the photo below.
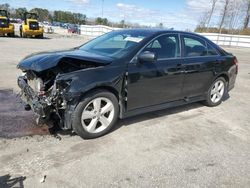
(200, 60)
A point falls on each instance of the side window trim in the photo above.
(182, 36)
(211, 46)
(145, 46)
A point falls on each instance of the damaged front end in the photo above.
(46, 104)
(46, 92)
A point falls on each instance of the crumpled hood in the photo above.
(46, 60)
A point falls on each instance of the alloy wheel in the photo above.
(97, 115)
(217, 91)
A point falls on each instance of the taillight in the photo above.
(235, 61)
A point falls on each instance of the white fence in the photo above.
(228, 40)
(220, 39)
(93, 31)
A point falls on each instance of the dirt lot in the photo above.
(189, 146)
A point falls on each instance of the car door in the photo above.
(199, 61)
(159, 82)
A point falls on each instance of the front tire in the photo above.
(96, 114)
(216, 92)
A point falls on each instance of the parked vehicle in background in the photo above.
(30, 26)
(73, 29)
(124, 73)
(6, 28)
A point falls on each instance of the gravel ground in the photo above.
(188, 146)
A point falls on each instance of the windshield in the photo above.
(115, 44)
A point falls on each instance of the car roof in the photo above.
(156, 31)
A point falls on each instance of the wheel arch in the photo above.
(107, 88)
(223, 75)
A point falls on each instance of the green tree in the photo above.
(5, 6)
(160, 25)
(122, 23)
(69, 17)
(79, 18)
(43, 14)
(20, 12)
(101, 21)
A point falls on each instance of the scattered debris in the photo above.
(58, 137)
(43, 179)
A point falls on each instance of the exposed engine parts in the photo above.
(45, 93)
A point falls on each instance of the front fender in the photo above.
(83, 81)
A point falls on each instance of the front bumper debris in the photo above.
(39, 105)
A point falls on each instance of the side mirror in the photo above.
(147, 56)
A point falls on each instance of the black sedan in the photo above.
(124, 73)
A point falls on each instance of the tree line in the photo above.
(46, 15)
(226, 16)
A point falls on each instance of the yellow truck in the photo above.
(5, 26)
(30, 26)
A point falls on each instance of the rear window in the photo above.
(194, 47)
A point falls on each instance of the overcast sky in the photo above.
(179, 14)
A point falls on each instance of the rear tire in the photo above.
(10, 34)
(96, 114)
(39, 36)
(216, 92)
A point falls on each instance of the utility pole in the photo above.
(102, 7)
(224, 14)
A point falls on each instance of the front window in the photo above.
(115, 44)
(165, 46)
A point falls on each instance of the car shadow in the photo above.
(18, 36)
(57, 131)
(7, 182)
(226, 97)
(44, 38)
(156, 114)
(160, 113)
(24, 122)
(34, 38)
